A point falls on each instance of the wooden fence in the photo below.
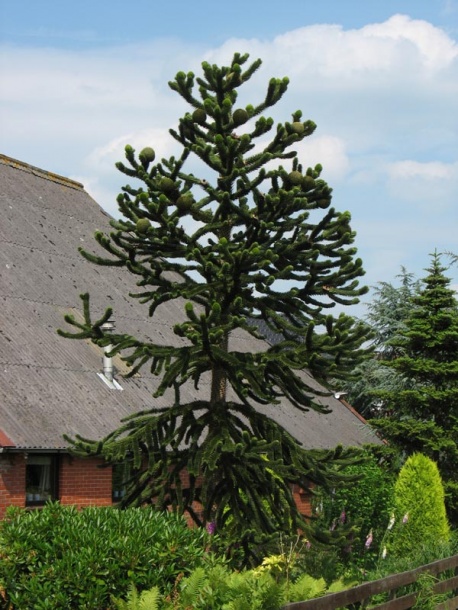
(445, 572)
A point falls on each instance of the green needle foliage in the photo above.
(420, 517)
(424, 414)
(390, 307)
(251, 245)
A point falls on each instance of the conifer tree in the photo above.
(420, 520)
(388, 310)
(251, 243)
(424, 417)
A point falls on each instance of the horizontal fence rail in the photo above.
(361, 596)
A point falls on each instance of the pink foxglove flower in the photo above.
(211, 527)
(369, 539)
(405, 518)
(343, 516)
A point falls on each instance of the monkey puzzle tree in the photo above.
(253, 243)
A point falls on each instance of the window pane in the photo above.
(40, 479)
(121, 475)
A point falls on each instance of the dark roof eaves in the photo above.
(41, 450)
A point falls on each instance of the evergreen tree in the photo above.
(387, 314)
(254, 243)
(423, 418)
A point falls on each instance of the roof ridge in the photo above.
(40, 173)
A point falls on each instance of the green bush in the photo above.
(362, 507)
(60, 557)
(420, 515)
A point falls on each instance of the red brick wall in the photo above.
(12, 481)
(303, 500)
(81, 481)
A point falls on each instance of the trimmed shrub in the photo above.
(60, 557)
(420, 515)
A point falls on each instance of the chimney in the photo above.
(108, 326)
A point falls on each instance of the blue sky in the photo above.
(81, 79)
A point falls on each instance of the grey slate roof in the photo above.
(49, 385)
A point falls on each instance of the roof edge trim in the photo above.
(41, 173)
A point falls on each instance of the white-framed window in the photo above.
(40, 479)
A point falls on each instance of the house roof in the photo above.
(48, 384)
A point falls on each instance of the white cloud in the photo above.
(104, 157)
(328, 150)
(426, 171)
(358, 85)
(75, 102)
(433, 46)
(368, 55)
(425, 183)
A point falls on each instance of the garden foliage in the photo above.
(133, 559)
(60, 557)
(363, 507)
(218, 588)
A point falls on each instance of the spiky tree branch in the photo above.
(251, 244)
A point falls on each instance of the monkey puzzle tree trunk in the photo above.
(257, 243)
(218, 372)
(219, 379)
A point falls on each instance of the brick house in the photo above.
(50, 386)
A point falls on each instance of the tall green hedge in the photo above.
(420, 515)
